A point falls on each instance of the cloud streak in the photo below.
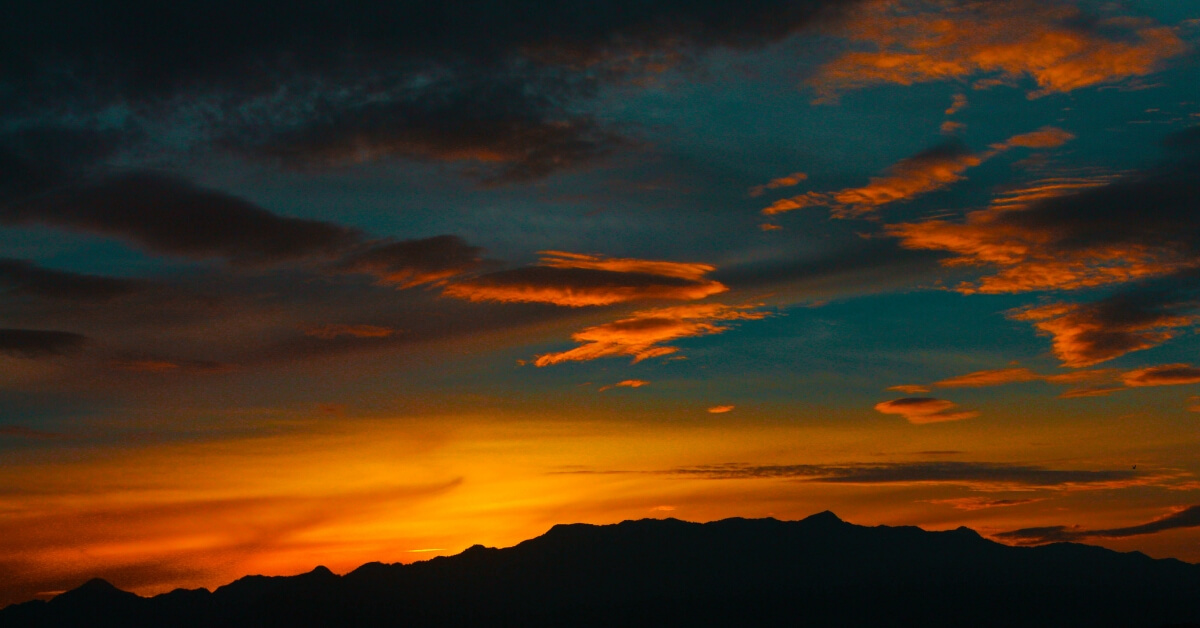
(986, 476)
(922, 410)
(1181, 518)
(930, 170)
(170, 216)
(643, 335)
(578, 280)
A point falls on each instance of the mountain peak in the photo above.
(825, 517)
(97, 585)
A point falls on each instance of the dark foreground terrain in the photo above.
(817, 572)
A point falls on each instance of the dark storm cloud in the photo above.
(22, 277)
(171, 216)
(38, 343)
(1188, 517)
(492, 83)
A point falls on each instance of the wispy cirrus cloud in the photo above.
(774, 184)
(1180, 517)
(628, 383)
(1057, 45)
(643, 335)
(930, 170)
(999, 377)
(579, 280)
(922, 410)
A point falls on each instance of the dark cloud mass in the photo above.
(143, 47)
(1188, 517)
(22, 277)
(496, 84)
(510, 134)
(171, 216)
(411, 263)
(38, 343)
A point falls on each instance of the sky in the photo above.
(296, 284)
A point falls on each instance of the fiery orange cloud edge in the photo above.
(909, 42)
(642, 334)
(921, 410)
(914, 176)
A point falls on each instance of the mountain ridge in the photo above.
(664, 572)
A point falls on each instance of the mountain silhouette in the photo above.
(820, 571)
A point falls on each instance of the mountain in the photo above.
(820, 571)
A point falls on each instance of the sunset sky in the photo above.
(287, 284)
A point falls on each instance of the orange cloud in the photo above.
(989, 378)
(950, 127)
(1194, 404)
(1165, 375)
(1091, 391)
(1040, 254)
(958, 104)
(1084, 335)
(782, 182)
(1000, 377)
(334, 330)
(629, 383)
(1046, 137)
(921, 410)
(911, 389)
(1055, 44)
(579, 280)
(927, 171)
(720, 409)
(642, 335)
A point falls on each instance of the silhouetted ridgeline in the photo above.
(817, 572)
